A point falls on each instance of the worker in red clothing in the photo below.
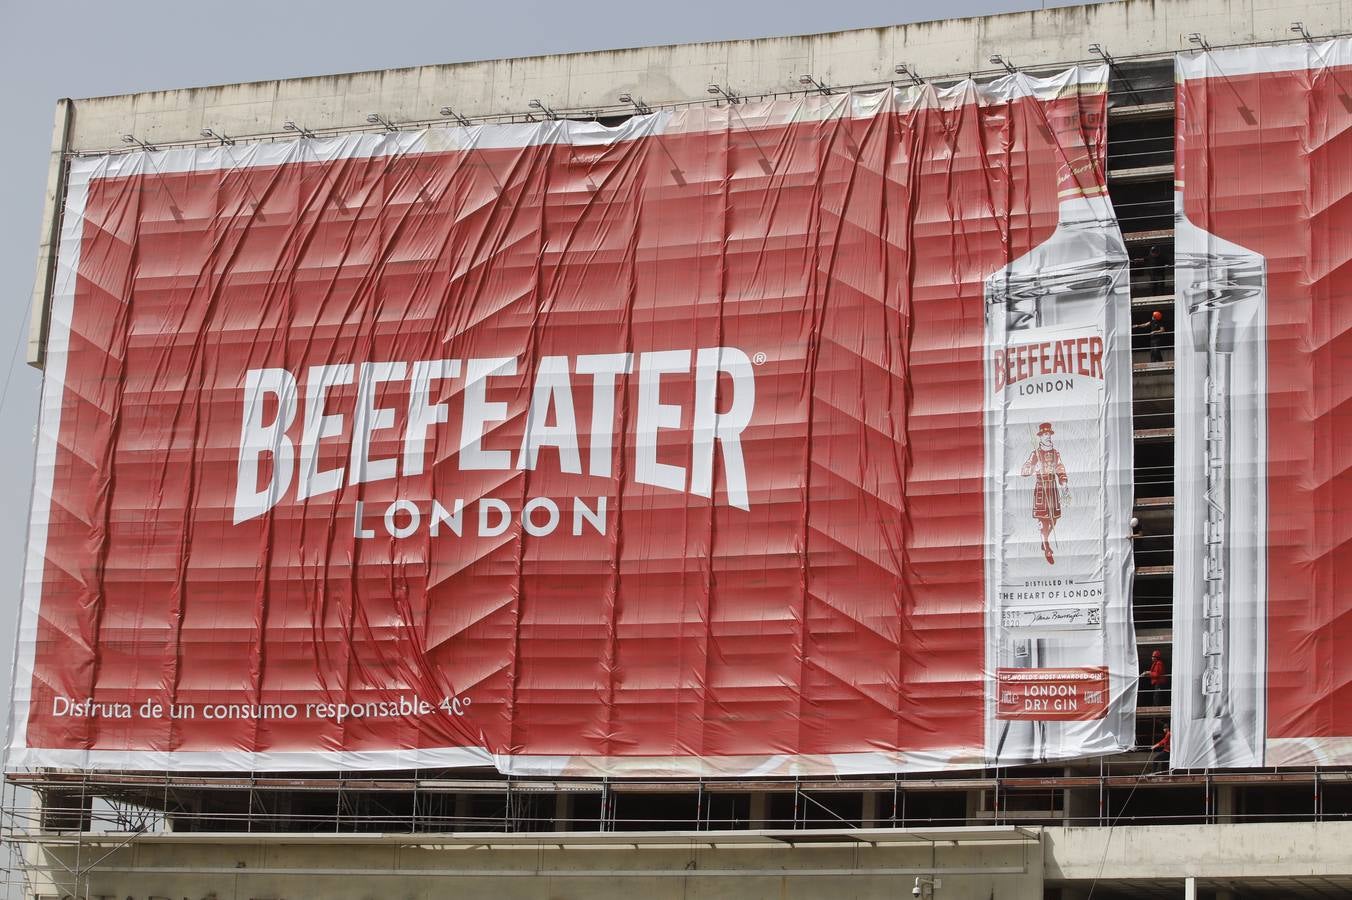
(1157, 676)
(1162, 747)
(1157, 333)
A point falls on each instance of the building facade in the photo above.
(1115, 825)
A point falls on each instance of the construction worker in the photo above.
(1158, 335)
(1156, 267)
(1162, 747)
(1157, 675)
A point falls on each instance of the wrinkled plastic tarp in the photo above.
(1263, 675)
(656, 449)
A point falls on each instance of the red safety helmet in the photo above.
(1157, 315)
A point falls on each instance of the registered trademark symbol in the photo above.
(758, 359)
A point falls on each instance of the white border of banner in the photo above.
(439, 140)
(1232, 61)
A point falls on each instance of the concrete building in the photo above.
(1011, 862)
(1115, 826)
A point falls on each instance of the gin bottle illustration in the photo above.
(1060, 645)
(1220, 554)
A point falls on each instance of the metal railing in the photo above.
(1085, 793)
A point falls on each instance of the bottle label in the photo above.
(1058, 695)
(1048, 408)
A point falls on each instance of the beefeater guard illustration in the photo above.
(1045, 464)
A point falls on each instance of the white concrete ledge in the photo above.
(1276, 850)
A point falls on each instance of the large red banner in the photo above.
(1263, 651)
(650, 449)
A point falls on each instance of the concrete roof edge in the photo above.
(1050, 12)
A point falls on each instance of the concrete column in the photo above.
(869, 810)
(760, 810)
(462, 812)
(1080, 805)
(51, 233)
(976, 802)
(1227, 807)
(1190, 889)
(563, 812)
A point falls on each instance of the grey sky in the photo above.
(51, 49)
